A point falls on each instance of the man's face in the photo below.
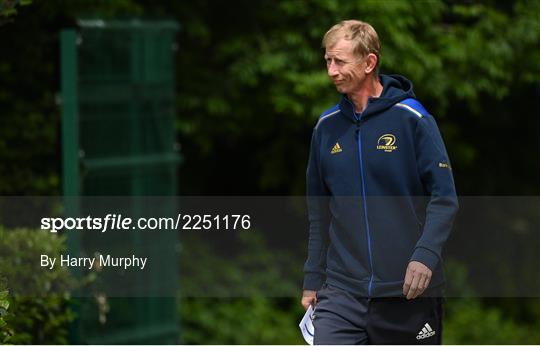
(344, 68)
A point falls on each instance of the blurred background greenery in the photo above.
(251, 83)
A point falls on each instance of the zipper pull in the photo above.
(357, 131)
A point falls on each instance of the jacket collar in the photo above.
(395, 89)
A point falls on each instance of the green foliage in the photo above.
(264, 83)
(251, 81)
(238, 298)
(8, 7)
(256, 70)
(38, 310)
(29, 65)
(469, 321)
(5, 331)
(241, 266)
(240, 321)
(227, 314)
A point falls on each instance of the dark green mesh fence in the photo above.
(118, 132)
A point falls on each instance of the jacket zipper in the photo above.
(358, 117)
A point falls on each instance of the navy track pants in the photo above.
(341, 319)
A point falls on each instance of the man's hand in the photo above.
(416, 279)
(309, 298)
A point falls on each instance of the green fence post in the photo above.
(70, 151)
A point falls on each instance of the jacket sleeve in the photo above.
(319, 220)
(436, 175)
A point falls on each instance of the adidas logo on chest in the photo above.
(336, 149)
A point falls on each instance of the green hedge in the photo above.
(471, 321)
(249, 318)
(238, 310)
(4, 306)
(38, 300)
(254, 318)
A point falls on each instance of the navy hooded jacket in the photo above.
(380, 194)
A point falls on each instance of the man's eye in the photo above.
(336, 61)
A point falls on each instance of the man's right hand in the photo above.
(309, 298)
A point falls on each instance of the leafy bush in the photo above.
(251, 316)
(473, 320)
(239, 298)
(234, 321)
(4, 305)
(38, 310)
(8, 7)
(469, 321)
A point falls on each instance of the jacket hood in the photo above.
(396, 88)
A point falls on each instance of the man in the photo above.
(381, 201)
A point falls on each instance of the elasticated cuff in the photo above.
(425, 256)
(313, 281)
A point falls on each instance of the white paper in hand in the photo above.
(306, 326)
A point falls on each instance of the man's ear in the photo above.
(371, 63)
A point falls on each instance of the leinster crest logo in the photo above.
(387, 143)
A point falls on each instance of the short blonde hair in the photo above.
(363, 36)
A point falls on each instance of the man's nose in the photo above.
(332, 70)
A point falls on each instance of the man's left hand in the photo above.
(416, 279)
